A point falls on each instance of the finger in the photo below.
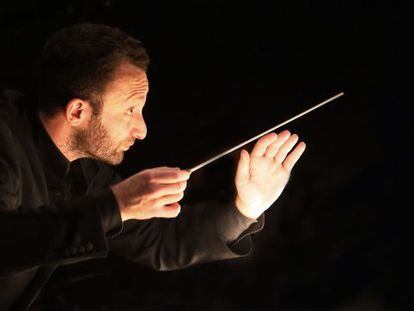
(272, 150)
(271, 147)
(162, 168)
(243, 168)
(167, 175)
(285, 148)
(160, 190)
(170, 211)
(294, 156)
(169, 199)
(261, 145)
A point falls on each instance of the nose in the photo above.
(139, 128)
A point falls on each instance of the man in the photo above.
(60, 201)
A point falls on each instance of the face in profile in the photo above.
(113, 130)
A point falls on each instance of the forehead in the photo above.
(128, 81)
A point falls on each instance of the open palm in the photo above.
(262, 175)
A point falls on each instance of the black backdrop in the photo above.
(223, 71)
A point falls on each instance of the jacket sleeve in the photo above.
(195, 236)
(201, 233)
(29, 239)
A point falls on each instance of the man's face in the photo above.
(120, 121)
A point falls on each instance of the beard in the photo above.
(95, 142)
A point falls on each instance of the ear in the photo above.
(78, 112)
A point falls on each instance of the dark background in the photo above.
(339, 237)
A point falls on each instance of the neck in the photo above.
(60, 133)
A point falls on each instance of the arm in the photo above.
(208, 232)
(159, 233)
(199, 234)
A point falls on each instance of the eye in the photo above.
(130, 111)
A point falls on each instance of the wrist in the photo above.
(247, 210)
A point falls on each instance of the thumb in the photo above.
(243, 169)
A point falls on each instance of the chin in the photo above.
(118, 160)
(113, 160)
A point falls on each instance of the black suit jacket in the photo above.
(40, 229)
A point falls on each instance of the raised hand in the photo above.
(262, 175)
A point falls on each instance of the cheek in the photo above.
(114, 127)
(120, 127)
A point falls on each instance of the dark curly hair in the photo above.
(79, 61)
